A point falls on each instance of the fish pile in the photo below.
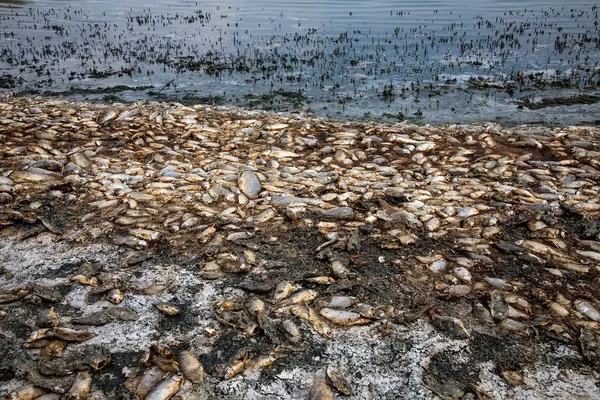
(311, 227)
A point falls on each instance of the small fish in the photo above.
(323, 280)
(320, 390)
(264, 361)
(294, 335)
(110, 115)
(152, 376)
(300, 297)
(166, 389)
(191, 368)
(236, 364)
(341, 317)
(28, 392)
(70, 335)
(587, 309)
(168, 309)
(249, 184)
(80, 388)
(115, 296)
(339, 381)
(283, 290)
(339, 269)
(451, 325)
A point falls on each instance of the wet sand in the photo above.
(459, 261)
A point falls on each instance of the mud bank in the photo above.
(413, 261)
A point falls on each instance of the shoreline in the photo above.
(458, 261)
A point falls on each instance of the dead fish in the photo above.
(294, 335)
(339, 269)
(515, 327)
(70, 335)
(318, 324)
(90, 281)
(323, 280)
(110, 115)
(256, 306)
(264, 361)
(483, 314)
(341, 302)
(115, 296)
(463, 274)
(451, 325)
(498, 307)
(15, 293)
(57, 384)
(53, 349)
(28, 392)
(236, 364)
(166, 389)
(81, 387)
(93, 356)
(339, 381)
(587, 309)
(49, 396)
(150, 379)
(341, 317)
(249, 184)
(191, 368)
(45, 293)
(353, 243)
(303, 296)
(369, 311)
(320, 390)
(168, 309)
(589, 344)
(47, 318)
(283, 290)
(106, 316)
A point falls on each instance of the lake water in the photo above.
(432, 62)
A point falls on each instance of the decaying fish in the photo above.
(148, 381)
(346, 318)
(107, 315)
(320, 390)
(450, 325)
(264, 360)
(303, 296)
(283, 290)
(166, 389)
(236, 364)
(28, 392)
(15, 293)
(339, 269)
(70, 335)
(339, 381)
(48, 318)
(190, 367)
(81, 387)
(168, 309)
(290, 328)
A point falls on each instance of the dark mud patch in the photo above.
(584, 99)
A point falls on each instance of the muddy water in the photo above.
(431, 62)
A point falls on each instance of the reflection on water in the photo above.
(439, 61)
(15, 3)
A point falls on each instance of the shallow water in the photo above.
(431, 62)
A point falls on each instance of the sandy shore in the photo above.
(409, 261)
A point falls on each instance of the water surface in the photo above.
(439, 61)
